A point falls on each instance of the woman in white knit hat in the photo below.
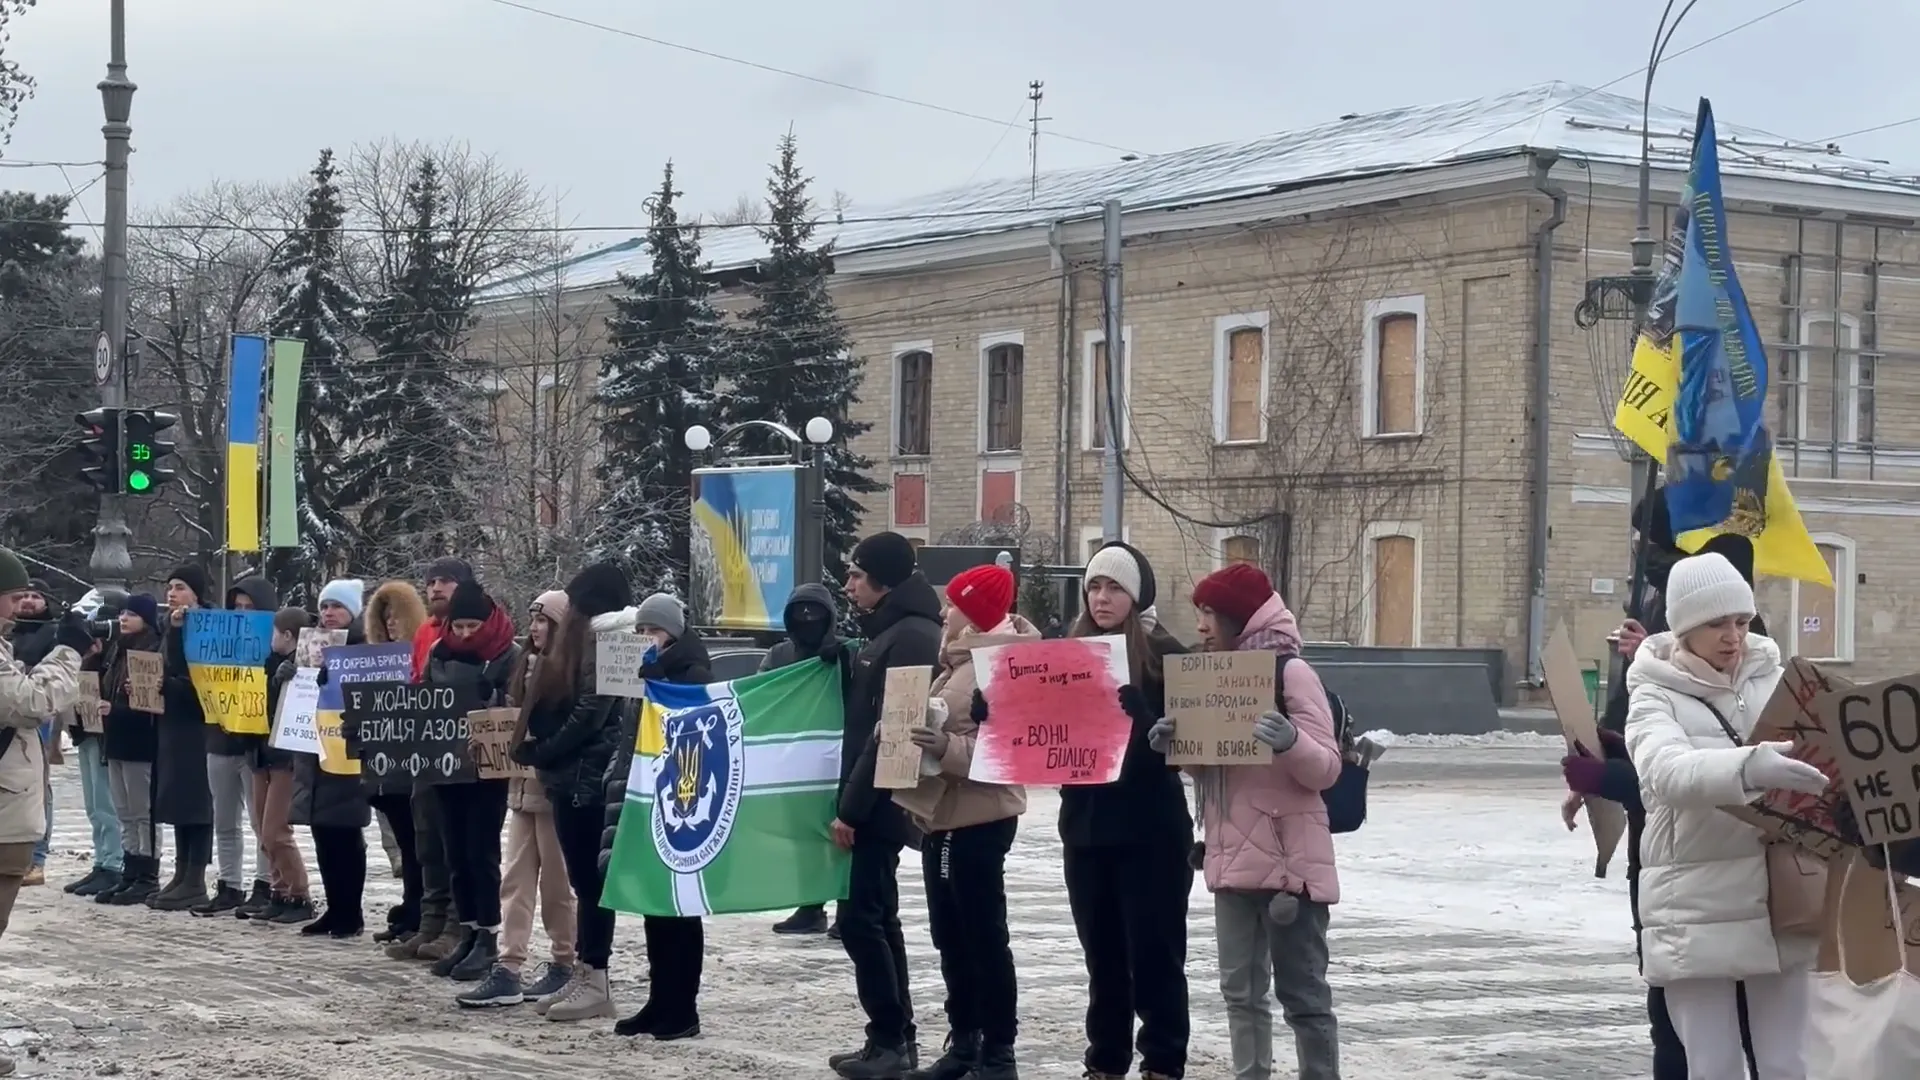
(1694, 694)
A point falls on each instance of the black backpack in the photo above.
(1347, 799)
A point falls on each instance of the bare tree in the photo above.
(745, 210)
(495, 215)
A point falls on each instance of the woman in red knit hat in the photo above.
(1269, 854)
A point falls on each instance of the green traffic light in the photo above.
(138, 480)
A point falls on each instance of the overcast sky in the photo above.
(251, 89)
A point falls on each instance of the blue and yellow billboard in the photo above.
(746, 545)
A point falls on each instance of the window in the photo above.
(1003, 375)
(1823, 618)
(1240, 378)
(1093, 412)
(1393, 374)
(1092, 539)
(1829, 383)
(1239, 549)
(999, 491)
(913, 400)
(1392, 584)
(909, 499)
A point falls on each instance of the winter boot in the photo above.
(174, 883)
(408, 948)
(260, 903)
(556, 978)
(479, 960)
(961, 1058)
(834, 1061)
(444, 965)
(996, 1063)
(401, 922)
(290, 911)
(501, 987)
(542, 1003)
(807, 920)
(191, 894)
(876, 1062)
(589, 1000)
(225, 898)
(138, 883)
(92, 883)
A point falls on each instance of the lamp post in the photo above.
(112, 563)
(803, 456)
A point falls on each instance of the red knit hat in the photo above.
(984, 594)
(1236, 591)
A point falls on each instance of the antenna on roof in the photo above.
(1034, 95)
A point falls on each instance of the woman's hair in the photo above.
(1143, 658)
(569, 650)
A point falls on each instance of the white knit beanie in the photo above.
(1702, 588)
(347, 592)
(1117, 565)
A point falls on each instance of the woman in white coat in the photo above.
(1694, 694)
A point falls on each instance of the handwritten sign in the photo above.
(348, 664)
(227, 656)
(294, 728)
(410, 733)
(1874, 732)
(1214, 699)
(313, 644)
(87, 704)
(145, 672)
(1568, 691)
(1790, 716)
(1054, 714)
(617, 657)
(903, 708)
(492, 733)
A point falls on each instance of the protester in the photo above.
(429, 843)
(811, 619)
(478, 653)
(578, 740)
(1695, 693)
(96, 789)
(182, 796)
(396, 615)
(33, 637)
(969, 828)
(1269, 853)
(283, 895)
(128, 744)
(333, 807)
(230, 760)
(534, 866)
(901, 620)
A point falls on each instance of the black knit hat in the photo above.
(598, 589)
(469, 601)
(886, 558)
(193, 578)
(458, 571)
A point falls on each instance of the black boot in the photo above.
(444, 966)
(807, 920)
(962, 1057)
(876, 1062)
(225, 898)
(479, 960)
(996, 1063)
(259, 903)
(137, 885)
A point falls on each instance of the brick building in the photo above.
(1335, 339)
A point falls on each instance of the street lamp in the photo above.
(819, 432)
(1643, 242)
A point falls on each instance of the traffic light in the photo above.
(101, 443)
(144, 447)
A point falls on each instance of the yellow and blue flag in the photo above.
(245, 375)
(226, 658)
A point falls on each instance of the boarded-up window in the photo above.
(1863, 398)
(1240, 549)
(909, 499)
(1246, 353)
(1005, 378)
(1822, 373)
(1821, 609)
(1097, 393)
(914, 426)
(997, 487)
(1395, 584)
(1396, 374)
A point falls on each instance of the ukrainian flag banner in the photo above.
(227, 660)
(244, 377)
(1722, 472)
(730, 797)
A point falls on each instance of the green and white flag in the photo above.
(730, 797)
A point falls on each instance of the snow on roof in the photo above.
(1576, 121)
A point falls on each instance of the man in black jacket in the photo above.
(902, 626)
(810, 618)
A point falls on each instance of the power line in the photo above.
(1871, 130)
(771, 69)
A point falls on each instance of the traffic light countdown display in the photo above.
(127, 447)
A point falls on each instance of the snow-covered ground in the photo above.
(1473, 942)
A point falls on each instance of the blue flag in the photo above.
(1718, 461)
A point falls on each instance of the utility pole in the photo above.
(1033, 139)
(1112, 478)
(112, 562)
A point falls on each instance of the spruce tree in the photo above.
(795, 361)
(318, 306)
(419, 433)
(666, 340)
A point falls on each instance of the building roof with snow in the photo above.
(1581, 124)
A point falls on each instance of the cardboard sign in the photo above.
(410, 733)
(313, 644)
(294, 729)
(1561, 665)
(1790, 716)
(87, 703)
(227, 656)
(492, 734)
(617, 657)
(1054, 714)
(1874, 733)
(145, 672)
(1214, 699)
(897, 760)
(1859, 908)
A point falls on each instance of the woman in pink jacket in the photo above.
(1269, 854)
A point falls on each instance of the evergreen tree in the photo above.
(795, 361)
(419, 432)
(319, 307)
(666, 340)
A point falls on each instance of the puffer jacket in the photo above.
(322, 798)
(397, 600)
(684, 661)
(950, 800)
(27, 695)
(1703, 872)
(281, 669)
(1266, 826)
(570, 741)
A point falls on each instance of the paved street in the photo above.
(1474, 942)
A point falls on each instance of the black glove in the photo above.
(977, 711)
(320, 675)
(830, 650)
(522, 753)
(1134, 704)
(75, 633)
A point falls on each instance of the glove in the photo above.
(320, 675)
(1134, 704)
(977, 711)
(522, 753)
(830, 649)
(1768, 768)
(1197, 856)
(1276, 731)
(1283, 909)
(75, 632)
(1160, 736)
(1584, 772)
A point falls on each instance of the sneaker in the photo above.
(225, 898)
(807, 920)
(553, 979)
(260, 903)
(876, 1062)
(35, 876)
(501, 987)
(291, 912)
(588, 1000)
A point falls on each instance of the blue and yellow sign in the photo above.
(746, 545)
(227, 660)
